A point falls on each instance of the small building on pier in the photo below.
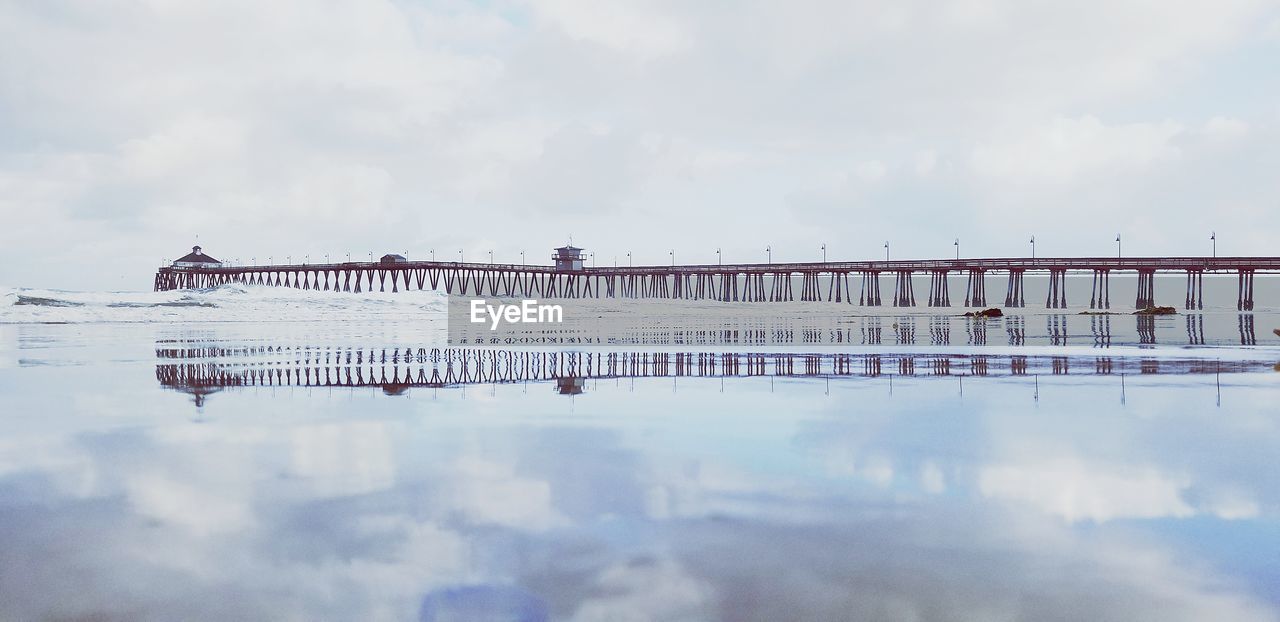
(568, 258)
(393, 258)
(197, 259)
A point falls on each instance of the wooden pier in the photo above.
(853, 282)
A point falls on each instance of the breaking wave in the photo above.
(227, 303)
(38, 301)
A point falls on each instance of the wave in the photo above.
(143, 305)
(42, 301)
(230, 302)
(39, 301)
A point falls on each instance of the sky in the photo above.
(131, 130)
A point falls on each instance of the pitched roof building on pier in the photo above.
(196, 259)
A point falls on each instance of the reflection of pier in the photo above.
(1247, 336)
(397, 369)
(1098, 329)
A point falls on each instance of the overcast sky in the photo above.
(127, 128)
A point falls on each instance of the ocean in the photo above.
(267, 453)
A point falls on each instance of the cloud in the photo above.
(631, 28)
(1224, 128)
(1069, 150)
(127, 128)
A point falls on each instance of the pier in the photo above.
(851, 282)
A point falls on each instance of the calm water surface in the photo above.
(342, 469)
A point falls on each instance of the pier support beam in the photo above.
(1057, 296)
(1195, 289)
(1146, 288)
(870, 295)
(809, 290)
(1100, 296)
(1013, 295)
(904, 294)
(939, 296)
(838, 289)
(975, 294)
(1244, 300)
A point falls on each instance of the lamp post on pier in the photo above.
(824, 252)
(490, 256)
(672, 252)
(628, 259)
(1118, 255)
(1033, 247)
(718, 261)
(886, 251)
(768, 251)
(1213, 237)
(522, 258)
(460, 257)
(957, 243)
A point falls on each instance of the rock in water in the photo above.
(1156, 311)
(992, 312)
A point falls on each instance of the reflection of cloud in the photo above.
(932, 479)
(197, 508)
(482, 602)
(645, 589)
(702, 489)
(1076, 490)
(657, 503)
(344, 458)
(876, 469)
(1232, 505)
(662, 519)
(66, 467)
(945, 565)
(490, 493)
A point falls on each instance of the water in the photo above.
(252, 453)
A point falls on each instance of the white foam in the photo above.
(228, 303)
